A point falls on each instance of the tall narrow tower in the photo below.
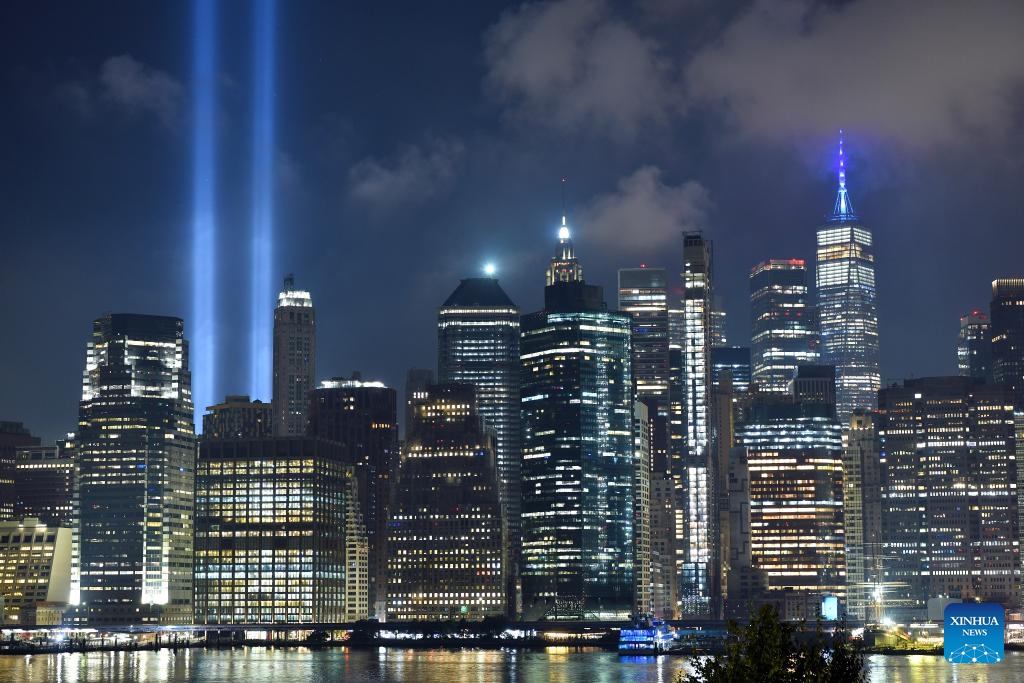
(692, 467)
(848, 313)
(564, 266)
(784, 335)
(294, 359)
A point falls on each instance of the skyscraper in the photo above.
(734, 361)
(13, 436)
(294, 359)
(693, 467)
(578, 460)
(238, 418)
(794, 457)
(274, 533)
(446, 556)
(974, 346)
(416, 382)
(862, 518)
(362, 416)
(1007, 315)
(642, 424)
(478, 344)
(136, 446)
(643, 294)
(950, 507)
(783, 334)
(564, 266)
(847, 309)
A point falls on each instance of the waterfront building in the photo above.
(784, 334)
(446, 546)
(950, 442)
(664, 577)
(294, 359)
(13, 436)
(862, 516)
(578, 460)
(692, 466)
(1007, 319)
(136, 455)
(794, 465)
(239, 418)
(642, 427)
(46, 488)
(35, 568)
(362, 416)
(974, 346)
(478, 344)
(275, 533)
(847, 306)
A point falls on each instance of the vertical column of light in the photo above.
(204, 227)
(262, 197)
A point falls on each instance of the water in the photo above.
(554, 665)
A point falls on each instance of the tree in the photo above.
(765, 650)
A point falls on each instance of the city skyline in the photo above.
(350, 165)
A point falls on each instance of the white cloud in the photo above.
(417, 174)
(129, 85)
(645, 213)
(574, 63)
(921, 72)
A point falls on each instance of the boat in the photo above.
(646, 637)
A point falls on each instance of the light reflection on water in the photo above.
(554, 665)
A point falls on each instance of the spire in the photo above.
(843, 210)
(564, 266)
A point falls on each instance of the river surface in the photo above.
(554, 665)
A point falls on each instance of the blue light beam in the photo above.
(262, 290)
(204, 224)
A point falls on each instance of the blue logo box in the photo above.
(974, 633)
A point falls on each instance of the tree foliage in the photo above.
(765, 650)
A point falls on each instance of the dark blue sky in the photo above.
(418, 140)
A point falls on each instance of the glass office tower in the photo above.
(847, 307)
(974, 346)
(578, 461)
(783, 331)
(1007, 316)
(137, 463)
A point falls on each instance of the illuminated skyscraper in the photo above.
(783, 332)
(478, 344)
(294, 359)
(416, 382)
(693, 466)
(643, 294)
(446, 549)
(847, 310)
(974, 346)
(950, 507)
(862, 519)
(734, 361)
(13, 436)
(1007, 315)
(642, 424)
(362, 417)
(238, 418)
(564, 267)
(794, 458)
(136, 446)
(275, 533)
(578, 460)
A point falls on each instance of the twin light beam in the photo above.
(205, 377)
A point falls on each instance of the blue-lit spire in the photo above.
(843, 210)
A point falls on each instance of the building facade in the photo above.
(642, 428)
(447, 550)
(784, 334)
(362, 416)
(949, 442)
(13, 436)
(239, 418)
(1007, 317)
(862, 515)
(693, 465)
(847, 305)
(478, 344)
(294, 359)
(274, 533)
(578, 460)
(136, 458)
(974, 346)
(35, 567)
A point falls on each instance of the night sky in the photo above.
(416, 141)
